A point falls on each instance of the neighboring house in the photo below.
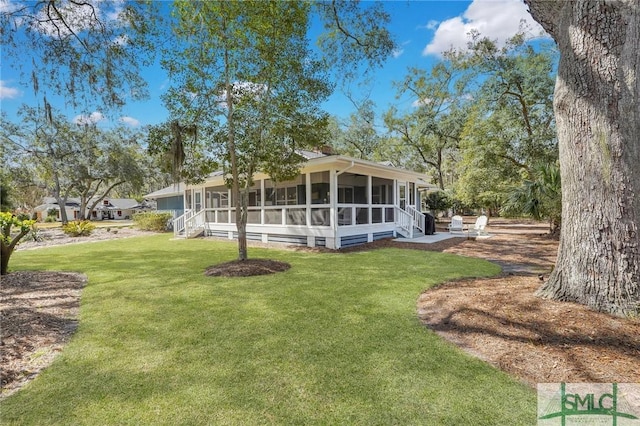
(169, 199)
(116, 209)
(107, 209)
(49, 204)
(335, 202)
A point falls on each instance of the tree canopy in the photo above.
(73, 160)
(249, 86)
(87, 52)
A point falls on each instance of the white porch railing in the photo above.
(418, 218)
(405, 222)
(194, 225)
(179, 223)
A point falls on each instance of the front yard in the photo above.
(334, 340)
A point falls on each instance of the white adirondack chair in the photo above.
(456, 224)
(478, 227)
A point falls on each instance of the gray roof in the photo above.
(114, 203)
(310, 154)
(169, 191)
(122, 203)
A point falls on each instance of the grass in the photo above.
(334, 340)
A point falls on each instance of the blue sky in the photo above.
(422, 30)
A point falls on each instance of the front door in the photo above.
(402, 194)
(197, 199)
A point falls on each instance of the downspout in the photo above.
(353, 164)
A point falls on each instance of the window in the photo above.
(362, 215)
(216, 197)
(320, 188)
(320, 217)
(296, 217)
(345, 195)
(254, 198)
(289, 193)
(344, 216)
(381, 191)
(352, 188)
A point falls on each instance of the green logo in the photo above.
(588, 403)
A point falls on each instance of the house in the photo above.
(335, 202)
(169, 199)
(116, 209)
(107, 209)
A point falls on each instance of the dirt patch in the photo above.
(246, 268)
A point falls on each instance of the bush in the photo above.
(437, 202)
(8, 239)
(151, 221)
(78, 228)
(35, 234)
(50, 219)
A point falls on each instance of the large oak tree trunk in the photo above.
(597, 112)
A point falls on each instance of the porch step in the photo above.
(416, 232)
(196, 233)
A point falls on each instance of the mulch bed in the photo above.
(246, 268)
(539, 341)
(38, 312)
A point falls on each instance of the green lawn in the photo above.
(333, 341)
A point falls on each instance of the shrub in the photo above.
(9, 239)
(437, 201)
(152, 221)
(35, 234)
(78, 228)
(50, 219)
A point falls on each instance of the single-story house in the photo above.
(107, 209)
(169, 199)
(336, 201)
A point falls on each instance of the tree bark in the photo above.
(596, 104)
(6, 250)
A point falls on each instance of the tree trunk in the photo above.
(5, 254)
(6, 250)
(241, 224)
(62, 203)
(598, 122)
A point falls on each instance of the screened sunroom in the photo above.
(334, 202)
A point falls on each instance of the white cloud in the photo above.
(495, 19)
(130, 121)
(400, 49)
(7, 92)
(78, 17)
(7, 6)
(93, 118)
